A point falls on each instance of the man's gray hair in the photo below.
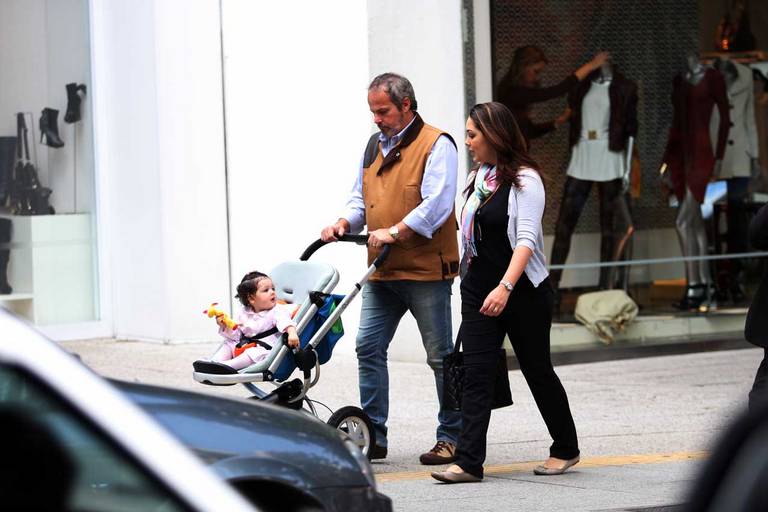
(397, 88)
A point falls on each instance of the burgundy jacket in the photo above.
(689, 156)
(623, 118)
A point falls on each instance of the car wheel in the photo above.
(357, 425)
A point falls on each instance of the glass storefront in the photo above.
(47, 193)
(680, 273)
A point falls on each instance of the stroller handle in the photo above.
(357, 239)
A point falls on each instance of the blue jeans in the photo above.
(384, 304)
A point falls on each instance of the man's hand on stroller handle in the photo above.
(332, 232)
(379, 238)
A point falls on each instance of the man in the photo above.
(756, 327)
(404, 193)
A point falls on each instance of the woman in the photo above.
(521, 87)
(505, 291)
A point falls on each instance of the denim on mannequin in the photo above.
(384, 304)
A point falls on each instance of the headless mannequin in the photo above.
(690, 225)
(736, 171)
(590, 165)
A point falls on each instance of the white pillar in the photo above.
(160, 164)
(423, 42)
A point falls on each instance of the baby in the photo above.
(260, 313)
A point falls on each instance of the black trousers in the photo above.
(575, 195)
(526, 319)
(759, 391)
(738, 222)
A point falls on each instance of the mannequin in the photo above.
(740, 162)
(691, 162)
(603, 122)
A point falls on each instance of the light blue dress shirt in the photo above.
(438, 188)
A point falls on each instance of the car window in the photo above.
(54, 459)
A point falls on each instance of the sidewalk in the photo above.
(644, 424)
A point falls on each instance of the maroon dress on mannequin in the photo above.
(689, 156)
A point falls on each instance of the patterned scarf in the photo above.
(485, 184)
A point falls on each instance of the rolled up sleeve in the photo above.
(525, 223)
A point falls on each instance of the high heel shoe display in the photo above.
(49, 128)
(698, 297)
(73, 102)
(694, 296)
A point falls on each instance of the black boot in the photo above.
(7, 158)
(5, 238)
(73, 102)
(49, 128)
(695, 295)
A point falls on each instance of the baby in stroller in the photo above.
(260, 314)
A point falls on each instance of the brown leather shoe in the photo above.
(442, 453)
(449, 477)
(541, 469)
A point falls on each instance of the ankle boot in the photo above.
(5, 238)
(73, 102)
(693, 297)
(49, 128)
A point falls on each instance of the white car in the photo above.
(69, 441)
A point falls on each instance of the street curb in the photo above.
(632, 351)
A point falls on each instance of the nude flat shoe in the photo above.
(541, 469)
(449, 477)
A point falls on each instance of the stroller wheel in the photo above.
(357, 425)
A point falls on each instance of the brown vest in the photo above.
(391, 189)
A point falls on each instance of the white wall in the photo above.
(481, 11)
(296, 76)
(423, 41)
(23, 62)
(159, 128)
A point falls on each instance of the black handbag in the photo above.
(453, 380)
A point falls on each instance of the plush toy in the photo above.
(213, 311)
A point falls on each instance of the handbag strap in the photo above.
(457, 345)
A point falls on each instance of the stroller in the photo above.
(318, 324)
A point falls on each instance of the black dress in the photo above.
(526, 319)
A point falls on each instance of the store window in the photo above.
(616, 145)
(47, 235)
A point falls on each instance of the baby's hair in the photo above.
(248, 285)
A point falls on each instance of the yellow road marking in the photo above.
(591, 462)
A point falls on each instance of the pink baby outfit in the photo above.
(251, 323)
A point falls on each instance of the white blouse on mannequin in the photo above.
(591, 159)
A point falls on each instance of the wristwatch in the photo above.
(507, 285)
(394, 232)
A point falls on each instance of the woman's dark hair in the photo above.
(498, 126)
(523, 57)
(248, 285)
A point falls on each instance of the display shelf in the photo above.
(10, 297)
(51, 268)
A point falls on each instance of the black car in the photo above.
(735, 477)
(278, 458)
